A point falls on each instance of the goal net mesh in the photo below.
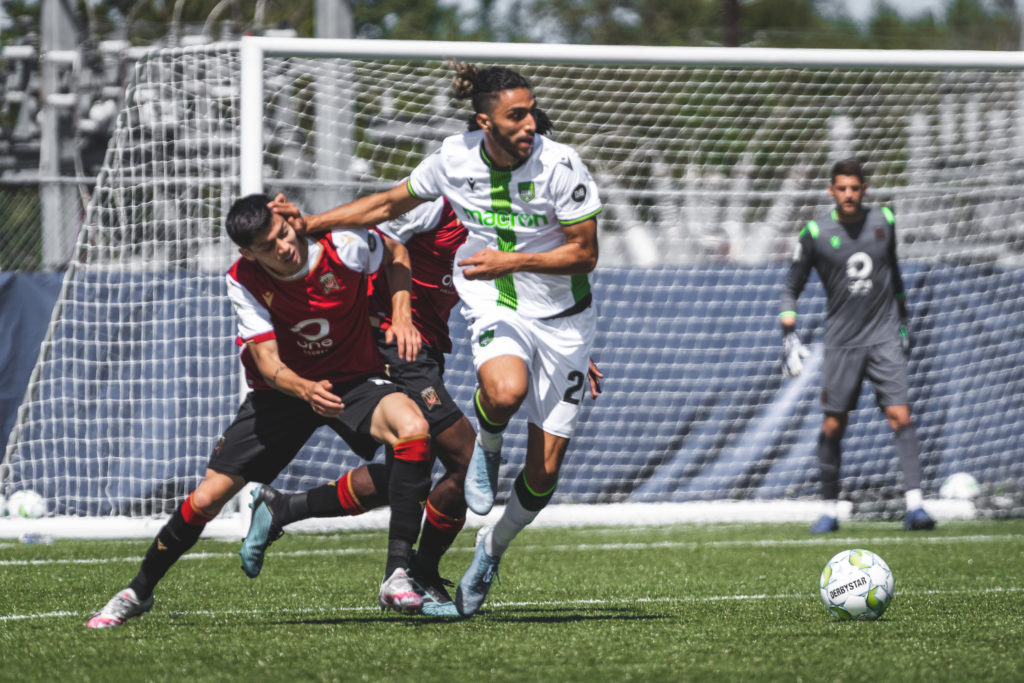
(706, 174)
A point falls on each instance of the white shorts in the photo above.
(556, 353)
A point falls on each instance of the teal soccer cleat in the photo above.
(263, 529)
(475, 584)
(437, 602)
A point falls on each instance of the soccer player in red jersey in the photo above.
(311, 359)
(432, 234)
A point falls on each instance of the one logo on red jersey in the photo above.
(329, 283)
(430, 398)
(314, 333)
(268, 298)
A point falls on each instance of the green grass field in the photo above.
(709, 602)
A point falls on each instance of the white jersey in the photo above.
(521, 209)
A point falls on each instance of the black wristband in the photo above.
(788, 329)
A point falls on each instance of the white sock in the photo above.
(514, 519)
(830, 508)
(490, 441)
(914, 499)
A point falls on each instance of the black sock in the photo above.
(173, 541)
(439, 532)
(408, 488)
(485, 422)
(828, 464)
(527, 498)
(319, 502)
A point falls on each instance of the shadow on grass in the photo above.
(521, 615)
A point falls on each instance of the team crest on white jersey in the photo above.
(430, 398)
(527, 191)
(329, 283)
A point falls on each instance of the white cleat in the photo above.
(482, 479)
(398, 592)
(475, 584)
(121, 608)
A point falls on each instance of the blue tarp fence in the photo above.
(695, 406)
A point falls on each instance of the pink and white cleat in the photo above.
(121, 607)
(398, 592)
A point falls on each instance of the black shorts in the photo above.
(423, 381)
(271, 427)
(844, 371)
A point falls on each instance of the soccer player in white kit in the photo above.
(530, 206)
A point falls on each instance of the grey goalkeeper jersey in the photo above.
(858, 267)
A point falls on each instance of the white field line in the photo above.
(831, 541)
(598, 602)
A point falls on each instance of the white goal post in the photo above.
(708, 160)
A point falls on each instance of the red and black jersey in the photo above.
(319, 316)
(432, 234)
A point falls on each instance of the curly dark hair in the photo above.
(481, 86)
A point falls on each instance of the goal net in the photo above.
(708, 161)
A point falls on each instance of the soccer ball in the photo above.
(960, 485)
(857, 585)
(26, 503)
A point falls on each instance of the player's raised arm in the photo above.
(363, 212)
(402, 332)
(278, 375)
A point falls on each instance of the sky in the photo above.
(860, 10)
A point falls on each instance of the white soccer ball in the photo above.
(857, 585)
(26, 503)
(960, 485)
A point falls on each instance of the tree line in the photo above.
(964, 24)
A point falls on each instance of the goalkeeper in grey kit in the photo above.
(853, 248)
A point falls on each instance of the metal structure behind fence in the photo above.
(21, 222)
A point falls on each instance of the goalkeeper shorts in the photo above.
(844, 370)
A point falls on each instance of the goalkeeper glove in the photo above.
(906, 340)
(793, 353)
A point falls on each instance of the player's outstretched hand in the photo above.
(324, 402)
(282, 206)
(906, 338)
(594, 377)
(793, 353)
(406, 339)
